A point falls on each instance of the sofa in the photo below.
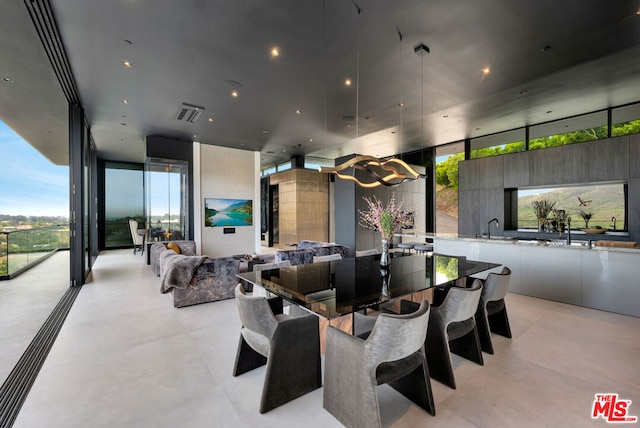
(212, 279)
(306, 250)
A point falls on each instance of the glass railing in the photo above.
(20, 249)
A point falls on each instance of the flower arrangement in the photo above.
(560, 219)
(542, 208)
(586, 216)
(386, 220)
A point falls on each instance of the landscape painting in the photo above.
(227, 212)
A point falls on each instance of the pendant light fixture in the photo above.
(390, 172)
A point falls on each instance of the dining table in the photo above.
(336, 290)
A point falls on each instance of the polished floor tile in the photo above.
(126, 357)
(25, 303)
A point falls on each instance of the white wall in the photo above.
(231, 174)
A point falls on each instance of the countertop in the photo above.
(576, 243)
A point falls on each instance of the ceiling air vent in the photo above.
(189, 113)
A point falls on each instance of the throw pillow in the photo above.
(173, 246)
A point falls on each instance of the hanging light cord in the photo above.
(358, 73)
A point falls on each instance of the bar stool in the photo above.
(405, 246)
(423, 248)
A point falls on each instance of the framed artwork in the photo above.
(227, 212)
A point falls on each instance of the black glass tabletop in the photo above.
(337, 288)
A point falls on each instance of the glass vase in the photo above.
(384, 257)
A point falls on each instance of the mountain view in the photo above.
(603, 201)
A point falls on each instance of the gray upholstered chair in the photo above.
(491, 315)
(364, 253)
(328, 258)
(393, 353)
(289, 346)
(452, 328)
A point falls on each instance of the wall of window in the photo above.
(625, 120)
(597, 206)
(446, 196)
(167, 199)
(499, 144)
(124, 199)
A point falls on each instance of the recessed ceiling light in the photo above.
(549, 111)
(477, 129)
(234, 94)
(311, 140)
(195, 136)
(445, 116)
(401, 104)
(210, 119)
(347, 82)
(264, 131)
(486, 70)
(546, 48)
(275, 52)
(127, 64)
(123, 124)
(298, 112)
(127, 42)
(270, 152)
(393, 132)
(638, 12)
(284, 150)
(125, 101)
(7, 79)
(524, 92)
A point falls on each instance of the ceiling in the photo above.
(548, 59)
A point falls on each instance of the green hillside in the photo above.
(607, 201)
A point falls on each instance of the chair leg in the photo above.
(468, 346)
(294, 365)
(482, 324)
(247, 358)
(416, 386)
(499, 323)
(438, 355)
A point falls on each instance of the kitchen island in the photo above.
(594, 277)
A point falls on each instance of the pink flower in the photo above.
(386, 220)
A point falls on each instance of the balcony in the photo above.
(22, 249)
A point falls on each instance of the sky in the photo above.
(29, 183)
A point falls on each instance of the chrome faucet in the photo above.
(489, 227)
(613, 219)
(568, 230)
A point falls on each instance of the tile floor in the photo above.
(125, 357)
(25, 303)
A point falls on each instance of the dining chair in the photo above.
(289, 346)
(327, 258)
(491, 315)
(137, 236)
(452, 328)
(393, 353)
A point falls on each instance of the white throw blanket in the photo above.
(177, 270)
